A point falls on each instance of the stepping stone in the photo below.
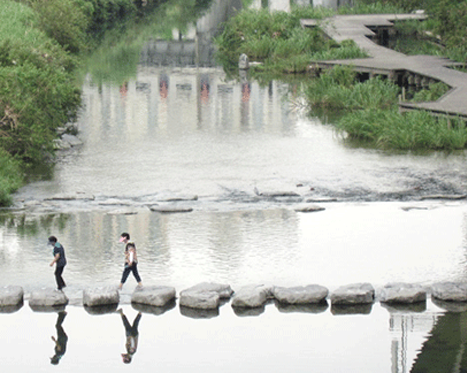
(205, 295)
(223, 290)
(11, 296)
(450, 291)
(301, 294)
(47, 297)
(252, 296)
(200, 300)
(170, 209)
(361, 293)
(157, 296)
(309, 208)
(402, 293)
(101, 296)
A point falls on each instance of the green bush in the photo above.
(64, 21)
(416, 130)
(337, 88)
(37, 88)
(10, 177)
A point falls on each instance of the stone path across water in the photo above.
(384, 61)
(251, 299)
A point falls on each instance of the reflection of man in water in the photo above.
(204, 89)
(60, 341)
(164, 85)
(131, 332)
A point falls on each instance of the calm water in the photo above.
(177, 132)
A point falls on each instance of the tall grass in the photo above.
(416, 130)
(338, 89)
(432, 93)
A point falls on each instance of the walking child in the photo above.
(131, 261)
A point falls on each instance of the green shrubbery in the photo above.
(278, 40)
(338, 89)
(39, 45)
(10, 177)
(415, 130)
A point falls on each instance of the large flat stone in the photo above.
(253, 296)
(402, 293)
(223, 290)
(101, 296)
(205, 295)
(47, 297)
(200, 300)
(301, 294)
(11, 296)
(360, 293)
(450, 291)
(157, 296)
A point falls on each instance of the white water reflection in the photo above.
(277, 340)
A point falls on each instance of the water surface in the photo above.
(188, 136)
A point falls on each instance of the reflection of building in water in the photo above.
(229, 105)
(406, 329)
(193, 47)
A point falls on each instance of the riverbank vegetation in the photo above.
(278, 41)
(42, 44)
(368, 110)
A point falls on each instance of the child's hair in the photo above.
(130, 244)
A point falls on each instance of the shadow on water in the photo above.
(445, 349)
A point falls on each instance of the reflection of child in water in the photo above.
(60, 341)
(131, 332)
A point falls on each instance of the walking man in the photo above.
(59, 261)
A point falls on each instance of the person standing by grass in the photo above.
(59, 260)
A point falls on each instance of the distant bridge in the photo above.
(417, 71)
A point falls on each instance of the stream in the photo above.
(242, 159)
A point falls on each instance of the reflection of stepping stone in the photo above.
(11, 296)
(47, 298)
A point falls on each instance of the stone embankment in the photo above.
(203, 300)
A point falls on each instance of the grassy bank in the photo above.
(42, 43)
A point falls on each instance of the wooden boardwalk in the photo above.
(414, 70)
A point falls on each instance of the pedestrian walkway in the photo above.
(402, 69)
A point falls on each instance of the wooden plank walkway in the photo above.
(424, 69)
